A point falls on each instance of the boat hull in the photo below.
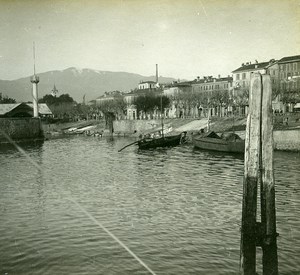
(221, 145)
(170, 141)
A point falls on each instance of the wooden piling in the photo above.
(259, 171)
(268, 212)
(251, 178)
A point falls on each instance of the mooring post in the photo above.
(268, 212)
(251, 178)
(259, 171)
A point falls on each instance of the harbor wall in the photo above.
(287, 140)
(20, 128)
(284, 140)
(135, 126)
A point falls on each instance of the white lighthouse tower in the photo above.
(35, 80)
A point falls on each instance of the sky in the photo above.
(186, 38)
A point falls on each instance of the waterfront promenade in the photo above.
(286, 137)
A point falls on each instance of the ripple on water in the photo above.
(178, 209)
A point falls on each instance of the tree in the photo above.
(219, 99)
(50, 99)
(149, 102)
(6, 99)
(62, 106)
(115, 106)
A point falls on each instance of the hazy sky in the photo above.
(186, 38)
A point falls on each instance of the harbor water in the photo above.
(177, 209)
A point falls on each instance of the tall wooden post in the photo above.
(268, 212)
(259, 171)
(251, 178)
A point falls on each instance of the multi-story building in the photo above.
(209, 83)
(176, 88)
(176, 91)
(289, 81)
(186, 99)
(285, 77)
(289, 68)
(242, 75)
(144, 85)
(212, 86)
(144, 88)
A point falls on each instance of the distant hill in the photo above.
(76, 82)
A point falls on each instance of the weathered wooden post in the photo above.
(268, 212)
(259, 171)
(251, 178)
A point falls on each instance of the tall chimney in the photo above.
(156, 73)
(35, 80)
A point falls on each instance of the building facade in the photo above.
(143, 85)
(289, 82)
(285, 78)
(242, 75)
(209, 83)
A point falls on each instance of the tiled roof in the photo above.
(254, 66)
(289, 59)
(143, 82)
(43, 108)
(212, 80)
(7, 107)
(180, 84)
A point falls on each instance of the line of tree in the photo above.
(56, 100)
(149, 102)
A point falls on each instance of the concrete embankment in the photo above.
(287, 140)
(20, 129)
(284, 139)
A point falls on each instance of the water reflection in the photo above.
(35, 145)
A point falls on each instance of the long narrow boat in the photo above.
(165, 141)
(211, 141)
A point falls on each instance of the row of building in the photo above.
(285, 76)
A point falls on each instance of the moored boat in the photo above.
(165, 141)
(230, 142)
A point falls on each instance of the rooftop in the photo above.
(143, 82)
(254, 66)
(289, 59)
(43, 108)
(6, 108)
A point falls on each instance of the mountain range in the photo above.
(75, 82)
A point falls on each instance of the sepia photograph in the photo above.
(149, 137)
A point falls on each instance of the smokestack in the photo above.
(35, 80)
(156, 73)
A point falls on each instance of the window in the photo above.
(295, 66)
(237, 76)
(244, 76)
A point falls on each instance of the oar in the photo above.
(128, 145)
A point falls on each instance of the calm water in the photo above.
(178, 209)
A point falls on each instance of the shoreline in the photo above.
(286, 138)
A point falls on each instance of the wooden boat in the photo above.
(165, 141)
(226, 143)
